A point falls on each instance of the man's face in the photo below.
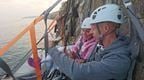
(104, 28)
(95, 31)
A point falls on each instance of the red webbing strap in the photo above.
(35, 53)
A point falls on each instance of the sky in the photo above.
(13, 10)
(12, 13)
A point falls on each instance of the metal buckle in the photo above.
(127, 3)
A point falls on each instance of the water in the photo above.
(12, 21)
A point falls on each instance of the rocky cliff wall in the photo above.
(74, 11)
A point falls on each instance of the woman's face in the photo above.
(87, 33)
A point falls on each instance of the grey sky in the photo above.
(13, 11)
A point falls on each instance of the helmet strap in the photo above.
(101, 37)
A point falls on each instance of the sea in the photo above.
(15, 15)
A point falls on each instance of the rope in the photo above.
(90, 6)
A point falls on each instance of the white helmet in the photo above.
(108, 12)
(86, 23)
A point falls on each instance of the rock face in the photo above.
(74, 11)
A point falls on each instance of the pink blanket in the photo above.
(86, 48)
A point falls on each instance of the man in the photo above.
(109, 62)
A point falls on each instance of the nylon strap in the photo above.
(138, 31)
(35, 53)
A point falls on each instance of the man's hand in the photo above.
(71, 54)
(80, 60)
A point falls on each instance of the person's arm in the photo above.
(111, 66)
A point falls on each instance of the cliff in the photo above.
(74, 11)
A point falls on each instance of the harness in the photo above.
(137, 36)
(92, 56)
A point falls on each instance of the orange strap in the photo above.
(54, 22)
(52, 26)
(35, 53)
